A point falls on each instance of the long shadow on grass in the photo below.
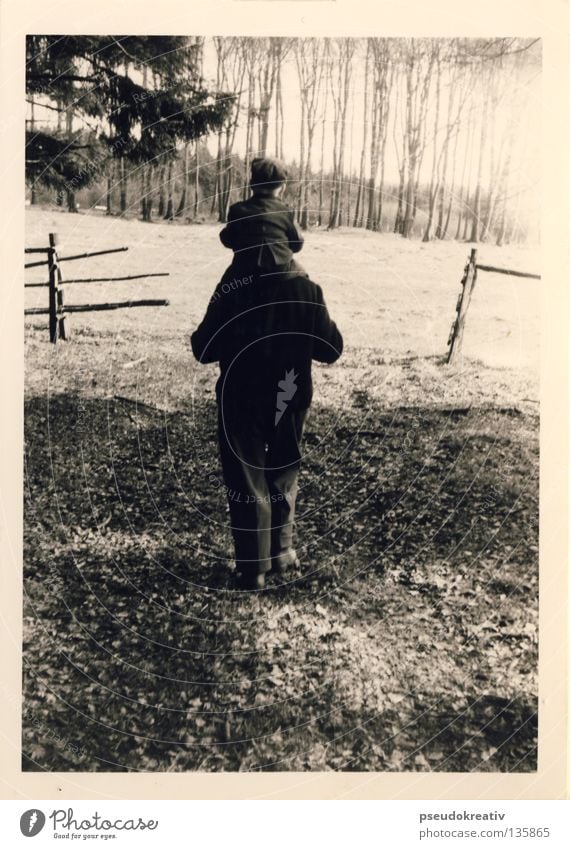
(139, 655)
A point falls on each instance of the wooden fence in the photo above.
(455, 340)
(57, 310)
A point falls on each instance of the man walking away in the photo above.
(264, 333)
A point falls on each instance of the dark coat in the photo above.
(259, 332)
(262, 232)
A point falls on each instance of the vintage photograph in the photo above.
(281, 415)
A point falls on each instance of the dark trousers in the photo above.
(260, 464)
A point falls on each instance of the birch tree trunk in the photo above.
(434, 184)
(310, 57)
(383, 52)
(465, 175)
(169, 214)
(249, 128)
(70, 194)
(33, 196)
(185, 182)
(196, 177)
(442, 194)
(278, 114)
(323, 133)
(161, 193)
(234, 70)
(267, 78)
(420, 58)
(476, 212)
(452, 188)
(345, 53)
(359, 203)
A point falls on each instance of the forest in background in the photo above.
(422, 137)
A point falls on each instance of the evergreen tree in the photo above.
(101, 80)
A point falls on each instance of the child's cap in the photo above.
(267, 173)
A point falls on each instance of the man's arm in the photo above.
(228, 235)
(206, 339)
(328, 342)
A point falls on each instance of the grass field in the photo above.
(408, 640)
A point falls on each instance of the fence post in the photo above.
(468, 283)
(52, 289)
(56, 308)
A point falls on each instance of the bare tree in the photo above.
(285, 45)
(487, 57)
(382, 78)
(123, 177)
(508, 103)
(169, 212)
(451, 193)
(327, 72)
(343, 55)
(344, 216)
(183, 201)
(251, 50)
(309, 58)
(419, 59)
(161, 195)
(359, 204)
(270, 61)
(443, 151)
(401, 156)
(33, 195)
(436, 155)
(199, 48)
(451, 131)
(231, 70)
(71, 202)
(482, 138)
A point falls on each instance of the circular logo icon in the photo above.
(32, 822)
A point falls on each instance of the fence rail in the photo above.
(100, 279)
(508, 271)
(67, 258)
(56, 310)
(149, 302)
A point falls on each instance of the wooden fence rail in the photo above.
(508, 271)
(149, 302)
(68, 258)
(56, 310)
(99, 279)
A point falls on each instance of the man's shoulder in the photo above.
(235, 208)
(304, 288)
